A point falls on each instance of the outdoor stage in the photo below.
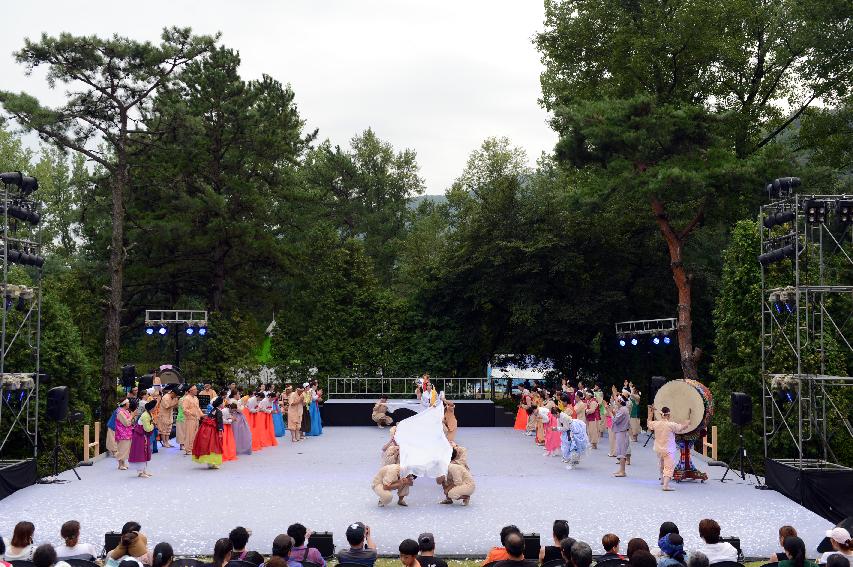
(324, 483)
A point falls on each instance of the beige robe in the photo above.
(295, 407)
(167, 414)
(450, 422)
(380, 414)
(458, 482)
(461, 457)
(386, 475)
(192, 415)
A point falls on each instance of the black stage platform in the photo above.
(469, 413)
(821, 490)
(15, 475)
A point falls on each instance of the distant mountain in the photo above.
(415, 202)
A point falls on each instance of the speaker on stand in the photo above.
(57, 412)
(741, 415)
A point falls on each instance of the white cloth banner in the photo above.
(424, 450)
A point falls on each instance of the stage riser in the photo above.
(824, 492)
(18, 476)
(357, 413)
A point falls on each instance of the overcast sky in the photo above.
(436, 76)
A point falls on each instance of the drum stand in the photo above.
(741, 453)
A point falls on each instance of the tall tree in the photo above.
(110, 83)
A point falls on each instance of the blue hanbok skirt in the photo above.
(316, 421)
(278, 424)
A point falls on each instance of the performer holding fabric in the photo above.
(207, 448)
(450, 423)
(380, 413)
(458, 484)
(664, 431)
(389, 479)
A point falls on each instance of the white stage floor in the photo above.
(324, 483)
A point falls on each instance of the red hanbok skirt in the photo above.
(269, 431)
(251, 419)
(229, 446)
(207, 447)
(521, 420)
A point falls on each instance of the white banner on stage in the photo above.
(424, 450)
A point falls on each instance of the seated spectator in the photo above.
(837, 560)
(21, 547)
(132, 526)
(642, 558)
(716, 550)
(514, 544)
(222, 552)
(426, 555)
(610, 543)
(163, 555)
(784, 531)
(276, 562)
(131, 546)
(409, 553)
(566, 550)
(666, 528)
(254, 558)
(697, 559)
(73, 549)
(239, 537)
(636, 544)
(672, 551)
(559, 531)
(841, 545)
(581, 554)
(500, 553)
(301, 552)
(795, 549)
(362, 549)
(281, 547)
(2, 553)
(45, 556)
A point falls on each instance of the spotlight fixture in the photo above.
(26, 183)
(162, 331)
(202, 331)
(781, 217)
(22, 304)
(666, 340)
(622, 342)
(783, 185)
(189, 331)
(149, 330)
(777, 255)
(815, 211)
(844, 209)
(634, 341)
(656, 340)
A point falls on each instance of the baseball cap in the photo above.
(355, 532)
(426, 541)
(840, 535)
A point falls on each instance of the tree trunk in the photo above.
(684, 326)
(112, 334)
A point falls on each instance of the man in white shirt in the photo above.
(711, 546)
(73, 549)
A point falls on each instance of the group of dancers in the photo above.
(570, 421)
(233, 422)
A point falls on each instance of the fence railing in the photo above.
(375, 386)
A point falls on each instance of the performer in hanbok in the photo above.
(458, 484)
(314, 410)
(229, 443)
(264, 420)
(593, 420)
(541, 419)
(552, 434)
(180, 418)
(112, 446)
(140, 445)
(380, 413)
(531, 421)
(168, 402)
(277, 420)
(295, 403)
(305, 425)
(207, 445)
(391, 451)
(576, 441)
(255, 419)
(124, 431)
(521, 415)
(192, 415)
(634, 409)
(241, 430)
(387, 480)
(621, 423)
(664, 431)
(450, 423)
(459, 455)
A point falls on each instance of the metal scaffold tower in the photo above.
(806, 326)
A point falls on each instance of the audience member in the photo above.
(222, 552)
(281, 547)
(672, 551)
(697, 559)
(559, 531)
(409, 553)
(795, 549)
(716, 550)
(610, 543)
(784, 531)
(255, 558)
(132, 526)
(301, 552)
(837, 560)
(666, 528)
(163, 555)
(514, 544)
(500, 553)
(581, 554)
(841, 545)
(73, 549)
(21, 547)
(45, 556)
(642, 558)
(636, 544)
(275, 561)
(426, 557)
(3, 553)
(131, 546)
(362, 549)
(239, 537)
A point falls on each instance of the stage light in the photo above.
(667, 340)
(815, 211)
(162, 330)
(189, 331)
(656, 340)
(844, 209)
(634, 341)
(22, 304)
(149, 330)
(202, 331)
(622, 342)
(785, 184)
(779, 218)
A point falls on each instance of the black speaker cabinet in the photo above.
(111, 541)
(741, 409)
(532, 543)
(57, 404)
(324, 543)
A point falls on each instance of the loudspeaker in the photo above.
(532, 543)
(128, 375)
(324, 543)
(656, 384)
(111, 541)
(146, 381)
(735, 542)
(57, 404)
(741, 409)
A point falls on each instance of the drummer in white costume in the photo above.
(664, 431)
